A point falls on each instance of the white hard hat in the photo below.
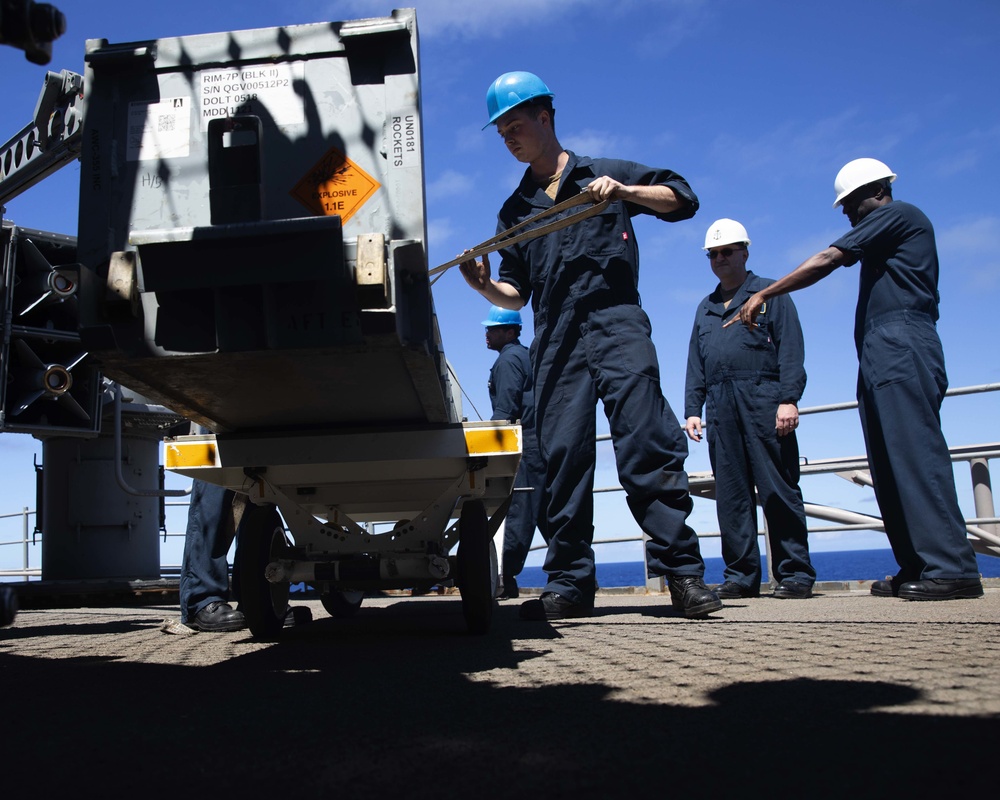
(725, 231)
(857, 173)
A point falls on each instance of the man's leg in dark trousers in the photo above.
(526, 508)
(565, 402)
(900, 388)
(204, 567)
(650, 447)
(735, 497)
(781, 498)
(774, 465)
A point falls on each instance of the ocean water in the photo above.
(847, 565)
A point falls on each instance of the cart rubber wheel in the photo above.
(476, 567)
(261, 540)
(341, 604)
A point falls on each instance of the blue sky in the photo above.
(757, 104)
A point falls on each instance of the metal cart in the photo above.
(433, 487)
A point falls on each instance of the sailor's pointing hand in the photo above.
(748, 311)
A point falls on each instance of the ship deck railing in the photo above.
(983, 528)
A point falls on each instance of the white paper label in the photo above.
(267, 91)
(159, 130)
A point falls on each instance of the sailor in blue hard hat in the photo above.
(512, 398)
(592, 345)
(503, 327)
(502, 316)
(511, 90)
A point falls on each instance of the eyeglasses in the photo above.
(725, 252)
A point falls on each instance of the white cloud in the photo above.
(956, 163)
(970, 238)
(440, 229)
(964, 151)
(780, 152)
(661, 32)
(462, 19)
(798, 250)
(964, 245)
(596, 143)
(471, 139)
(449, 184)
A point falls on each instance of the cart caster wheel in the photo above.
(261, 540)
(477, 570)
(342, 604)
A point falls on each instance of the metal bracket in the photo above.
(122, 290)
(353, 538)
(52, 140)
(370, 273)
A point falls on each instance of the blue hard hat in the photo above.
(502, 316)
(512, 89)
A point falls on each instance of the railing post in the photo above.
(766, 555)
(982, 491)
(657, 583)
(24, 541)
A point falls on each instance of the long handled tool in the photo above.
(510, 236)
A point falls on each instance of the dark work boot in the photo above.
(793, 590)
(889, 587)
(730, 590)
(508, 588)
(552, 605)
(217, 617)
(942, 589)
(691, 596)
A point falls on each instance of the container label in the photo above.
(159, 130)
(404, 139)
(335, 185)
(267, 90)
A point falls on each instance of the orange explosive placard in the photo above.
(335, 185)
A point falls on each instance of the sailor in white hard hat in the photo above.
(901, 380)
(751, 385)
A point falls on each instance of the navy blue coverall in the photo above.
(513, 399)
(744, 374)
(204, 565)
(901, 384)
(592, 342)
